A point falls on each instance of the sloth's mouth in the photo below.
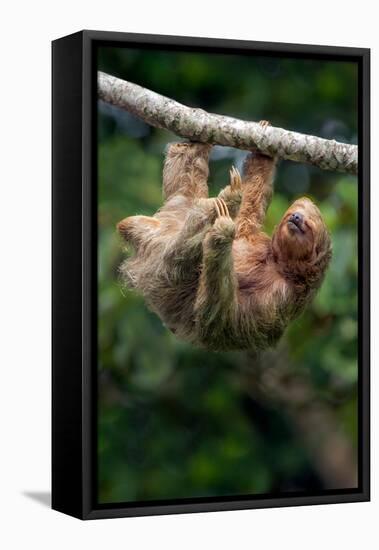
(295, 225)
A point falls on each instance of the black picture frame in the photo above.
(74, 297)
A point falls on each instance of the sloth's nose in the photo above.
(297, 218)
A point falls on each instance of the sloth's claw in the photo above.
(235, 180)
(221, 208)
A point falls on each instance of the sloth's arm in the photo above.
(257, 182)
(216, 300)
(187, 245)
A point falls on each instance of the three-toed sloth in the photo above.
(205, 266)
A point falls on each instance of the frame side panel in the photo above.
(365, 160)
(67, 275)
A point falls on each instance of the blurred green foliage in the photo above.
(175, 421)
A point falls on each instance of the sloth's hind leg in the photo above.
(186, 170)
(137, 229)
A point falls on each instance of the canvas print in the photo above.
(227, 319)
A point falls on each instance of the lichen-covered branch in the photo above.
(199, 125)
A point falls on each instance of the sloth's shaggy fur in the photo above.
(205, 266)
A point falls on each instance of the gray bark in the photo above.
(199, 125)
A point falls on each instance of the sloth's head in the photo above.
(302, 237)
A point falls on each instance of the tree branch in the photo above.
(198, 125)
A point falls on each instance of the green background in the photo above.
(175, 421)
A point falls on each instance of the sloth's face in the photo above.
(301, 234)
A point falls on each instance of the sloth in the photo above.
(206, 267)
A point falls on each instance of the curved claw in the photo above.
(235, 179)
(221, 208)
(264, 123)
